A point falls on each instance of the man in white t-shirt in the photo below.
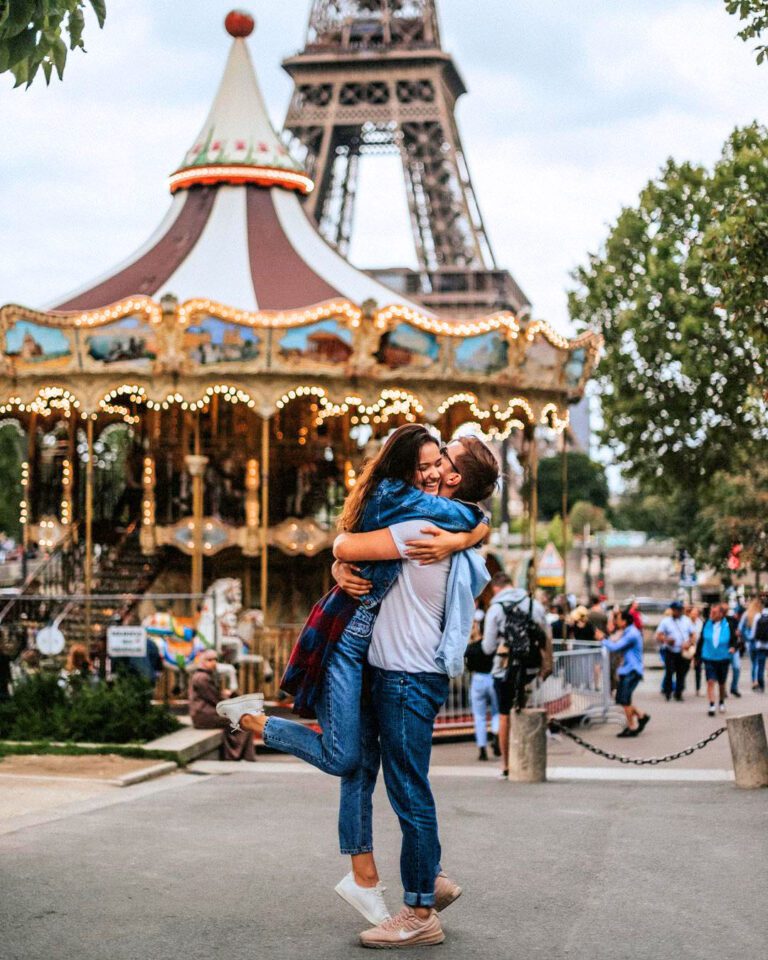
(675, 634)
(409, 684)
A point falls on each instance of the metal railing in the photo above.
(579, 686)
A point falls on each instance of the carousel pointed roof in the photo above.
(236, 232)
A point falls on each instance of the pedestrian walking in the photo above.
(675, 634)
(716, 647)
(760, 639)
(508, 604)
(583, 628)
(481, 691)
(746, 631)
(694, 615)
(740, 647)
(598, 617)
(630, 644)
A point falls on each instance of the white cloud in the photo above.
(571, 109)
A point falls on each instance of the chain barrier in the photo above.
(637, 761)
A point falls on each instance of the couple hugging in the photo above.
(399, 618)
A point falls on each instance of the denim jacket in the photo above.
(395, 501)
(467, 579)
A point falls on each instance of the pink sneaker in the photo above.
(405, 929)
(446, 891)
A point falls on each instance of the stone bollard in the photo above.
(749, 750)
(528, 746)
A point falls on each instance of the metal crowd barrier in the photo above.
(579, 686)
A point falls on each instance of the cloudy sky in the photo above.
(571, 108)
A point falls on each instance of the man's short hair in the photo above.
(479, 470)
(501, 579)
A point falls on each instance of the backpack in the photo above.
(476, 660)
(523, 637)
(760, 634)
(524, 641)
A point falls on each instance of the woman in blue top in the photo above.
(630, 673)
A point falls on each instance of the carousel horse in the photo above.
(176, 639)
(222, 623)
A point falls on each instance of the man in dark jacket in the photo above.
(204, 694)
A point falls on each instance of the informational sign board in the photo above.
(50, 641)
(551, 570)
(126, 641)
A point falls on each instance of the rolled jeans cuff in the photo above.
(419, 899)
(355, 851)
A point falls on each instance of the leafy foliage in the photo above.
(736, 514)
(680, 294)
(118, 712)
(586, 481)
(587, 514)
(32, 35)
(755, 13)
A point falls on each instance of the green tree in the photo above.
(655, 515)
(11, 457)
(683, 373)
(584, 514)
(755, 13)
(586, 481)
(33, 32)
(736, 514)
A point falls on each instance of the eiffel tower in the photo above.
(373, 78)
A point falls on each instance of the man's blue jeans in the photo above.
(405, 706)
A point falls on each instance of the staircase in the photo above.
(53, 594)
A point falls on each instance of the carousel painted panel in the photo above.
(481, 356)
(542, 365)
(130, 343)
(327, 343)
(406, 347)
(575, 368)
(35, 347)
(211, 342)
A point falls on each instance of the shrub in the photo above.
(120, 711)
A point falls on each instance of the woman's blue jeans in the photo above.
(337, 749)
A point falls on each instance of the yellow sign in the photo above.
(551, 569)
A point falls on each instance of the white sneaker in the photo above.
(366, 900)
(722, 707)
(711, 711)
(234, 708)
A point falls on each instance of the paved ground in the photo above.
(242, 867)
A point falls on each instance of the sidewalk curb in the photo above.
(148, 773)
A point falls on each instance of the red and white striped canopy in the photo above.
(236, 232)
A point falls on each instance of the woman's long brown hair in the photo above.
(398, 459)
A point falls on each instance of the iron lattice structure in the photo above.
(373, 78)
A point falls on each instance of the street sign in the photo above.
(49, 641)
(551, 570)
(126, 642)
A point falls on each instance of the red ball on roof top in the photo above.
(239, 23)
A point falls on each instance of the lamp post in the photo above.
(196, 465)
(264, 513)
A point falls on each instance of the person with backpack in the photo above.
(482, 693)
(518, 635)
(630, 673)
(760, 641)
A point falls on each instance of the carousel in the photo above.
(220, 389)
